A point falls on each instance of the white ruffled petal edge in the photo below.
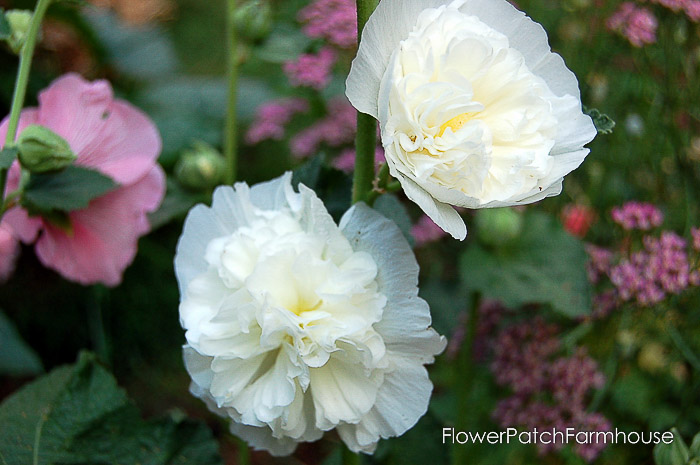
(404, 395)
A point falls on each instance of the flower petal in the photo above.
(441, 213)
(390, 23)
(104, 236)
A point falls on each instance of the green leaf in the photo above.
(7, 156)
(67, 190)
(695, 446)
(675, 453)
(308, 173)
(77, 415)
(545, 265)
(16, 357)
(390, 206)
(5, 29)
(603, 123)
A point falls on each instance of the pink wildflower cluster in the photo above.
(107, 135)
(311, 70)
(334, 130)
(346, 160)
(637, 215)
(271, 118)
(549, 391)
(636, 24)
(690, 7)
(426, 231)
(648, 275)
(333, 20)
(490, 313)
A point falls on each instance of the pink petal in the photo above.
(105, 235)
(111, 136)
(9, 251)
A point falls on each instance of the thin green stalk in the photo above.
(230, 134)
(463, 381)
(243, 452)
(366, 138)
(351, 458)
(20, 92)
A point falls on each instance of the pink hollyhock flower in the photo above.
(116, 139)
(336, 129)
(9, 251)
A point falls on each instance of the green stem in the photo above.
(463, 382)
(20, 92)
(243, 452)
(350, 458)
(366, 138)
(230, 135)
(96, 323)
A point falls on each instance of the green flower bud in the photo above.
(200, 168)
(19, 21)
(498, 226)
(41, 150)
(253, 20)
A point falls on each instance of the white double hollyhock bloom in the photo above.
(474, 108)
(296, 325)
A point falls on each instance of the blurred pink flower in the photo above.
(272, 116)
(346, 160)
(116, 139)
(311, 70)
(333, 20)
(637, 215)
(9, 251)
(636, 24)
(426, 231)
(692, 10)
(334, 130)
(577, 219)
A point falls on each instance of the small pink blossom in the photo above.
(692, 10)
(311, 70)
(637, 215)
(346, 160)
(636, 24)
(674, 5)
(271, 118)
(9, 251)
(333, 20)
(695, 233)
(334, 130)
(577, 219)
(116, 139)
(425, 231)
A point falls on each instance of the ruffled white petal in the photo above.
(293, 323)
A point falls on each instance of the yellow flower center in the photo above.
(456, 123)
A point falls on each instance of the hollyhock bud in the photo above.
(41, 150)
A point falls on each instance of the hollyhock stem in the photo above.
(366, 139)
(463, 381)
(243, 452)
(230, 135)
(351, 458)
(25, 63)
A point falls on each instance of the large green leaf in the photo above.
(16, 357)
(545, 265)
(676, 453)
(78, 415)
(67, 190)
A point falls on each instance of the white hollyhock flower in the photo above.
(296, 325)
(474, 108)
